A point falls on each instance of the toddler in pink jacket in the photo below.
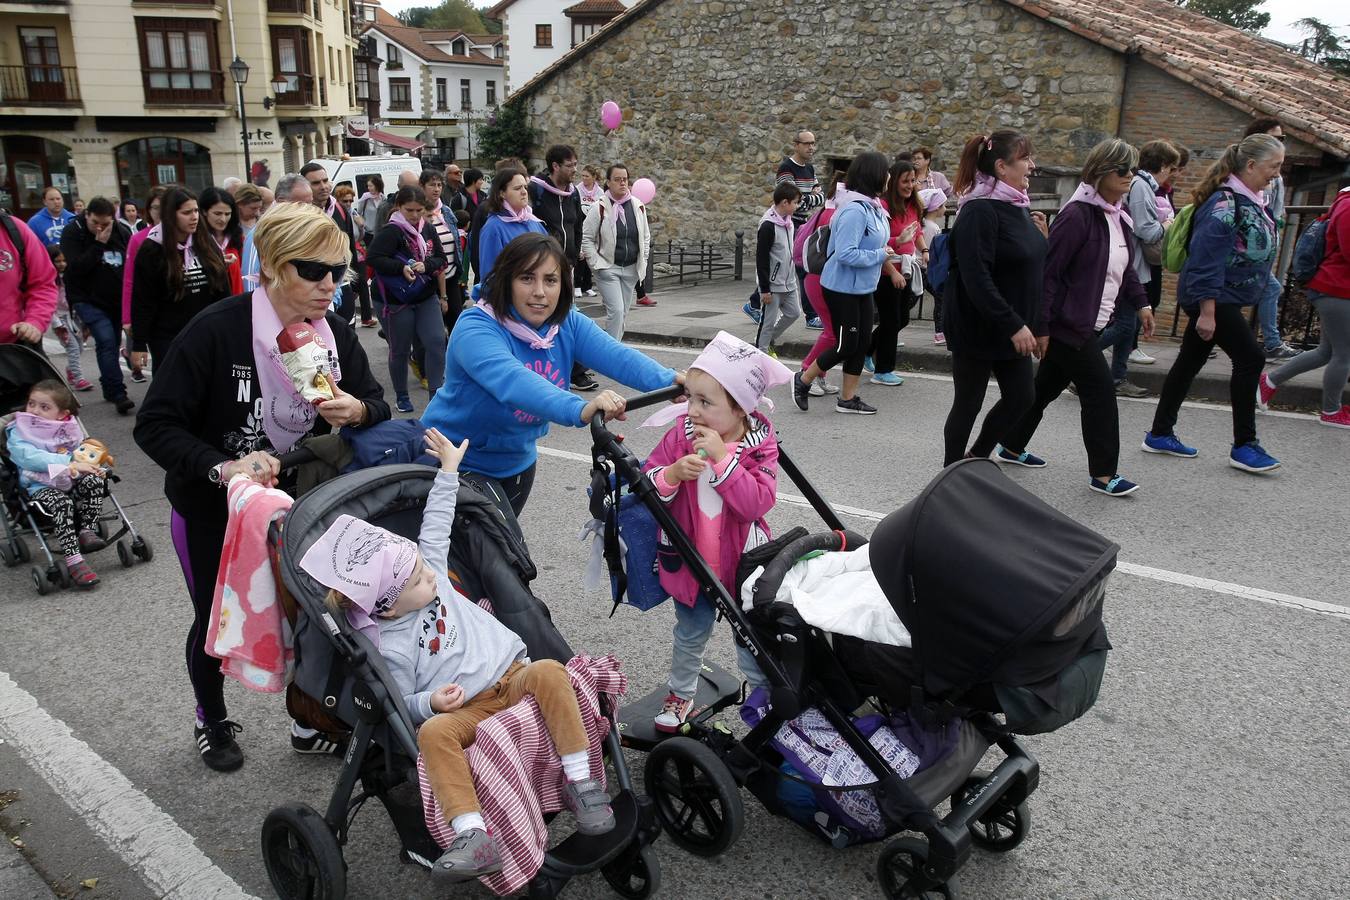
(717, 468)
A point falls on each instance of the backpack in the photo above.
(817, 250)
(1311, 248)
(1177, 242)
(939, 263)
(7, 222)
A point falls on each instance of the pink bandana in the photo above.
(1240, 187)
(590, 195)
(932, 199)
(522, 332)
(287, 417)
(366, 564)
(415, 237)
(1087, 194)
(781, 221)
(551, 187)
(993, 189)
(618, 205)
(49, 434)
(510, 214)
(157, 235)
(746, 372)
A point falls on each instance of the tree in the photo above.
(1238, 13)
(450, 15)
(1323, 45)
(506, 132)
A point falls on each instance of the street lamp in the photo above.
(239, 72)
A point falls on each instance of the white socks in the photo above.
(300, 731)
(577, 766)
(467, 822)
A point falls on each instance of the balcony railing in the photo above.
(295, 7)
(39, 86)
(300, 93)
(196, 95)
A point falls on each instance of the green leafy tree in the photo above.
(506, 132)
(1238, 13)
(451, 14)
(1323, 45)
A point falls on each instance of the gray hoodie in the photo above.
(452, 639)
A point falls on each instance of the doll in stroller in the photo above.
(997, 599)
(342, 685)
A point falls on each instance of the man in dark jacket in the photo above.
(317, 176)
(558, 205)
(95, 248)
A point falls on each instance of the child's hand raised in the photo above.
(710, 442)
(441, 447)
(686, 468)
(447, 698)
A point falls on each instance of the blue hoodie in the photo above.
(47, 228)
(501, 395)
(858, 234)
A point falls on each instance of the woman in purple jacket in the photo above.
(1089, 273)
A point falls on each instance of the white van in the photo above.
(356, 169)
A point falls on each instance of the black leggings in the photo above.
(513, 490)
(970, 377)
(198, 542)
(1086, 367)
(892, 308)
(852, 318)
(72, 511)
(1234, 336)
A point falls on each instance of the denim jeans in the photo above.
(693, 627)
(107, 343)
(1268, 312)
(1119, 336)
(401, 323)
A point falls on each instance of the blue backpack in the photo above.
(939, 264)
(628, 536)
(1311, 248)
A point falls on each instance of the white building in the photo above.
(434, 85)
(539, 32)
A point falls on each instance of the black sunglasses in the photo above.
(1125, 170)
(313, 270)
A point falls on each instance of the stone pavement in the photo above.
(691, 316)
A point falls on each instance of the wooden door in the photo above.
(42, 65)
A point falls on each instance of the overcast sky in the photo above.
(1282, 14)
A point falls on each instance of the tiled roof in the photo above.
(1246, 71)
(496, 11)
(595, 8)
(412, 40)
(385, 17)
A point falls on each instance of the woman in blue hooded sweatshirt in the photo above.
(508, 217)
(508, 368)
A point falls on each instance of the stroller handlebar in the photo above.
(296, 457)
(601, 434)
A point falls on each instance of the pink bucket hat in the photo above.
(746, 372)
(367, 564)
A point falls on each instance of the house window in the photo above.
(457, 48)
(583, 30)
(393, 57)
(400, 94)
(42, 73)
(543, 35)
(492, 93)
(292, 60)
(465, 94)
(368, 13)
(442, 95)
(180, 61)
(498, 51)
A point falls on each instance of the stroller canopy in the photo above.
(20, 368)
(994, 585)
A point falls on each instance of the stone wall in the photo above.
(712, 93)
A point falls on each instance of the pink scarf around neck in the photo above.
(990, 188)
(1087, 194)
(619, 204)
(415, 237)
(592, 194)
(552, 188)
(189, 259)
(287, 417)
(1240, 187)
(509, 213)
(48, 434)
(522, 332)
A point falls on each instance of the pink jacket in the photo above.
(27, 295)
(746, 481)
(129, 271)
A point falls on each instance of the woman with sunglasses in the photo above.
(222, 405)
(1089, 278)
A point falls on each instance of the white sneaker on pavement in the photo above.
(1140, 358)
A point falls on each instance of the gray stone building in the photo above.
(713, 90)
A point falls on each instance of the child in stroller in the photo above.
(482, 667)
(43, 441)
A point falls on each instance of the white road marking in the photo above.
(1260, 595)
(130, 823)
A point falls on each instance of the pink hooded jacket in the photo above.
(28, 292)
(746, 480)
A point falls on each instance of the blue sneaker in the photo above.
(404, 405)
(889, 378)
(815, 323)
(1251, 458)
(1169, 445)
(754, 314)
(1030, 460)
(869, 365)
(1115, 487)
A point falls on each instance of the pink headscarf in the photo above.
(549, 186)
(986, 186)
(1086, 193)
(522, 332)
(510, 214)
(746, 372)
(932, 198)
(365, 563)
(415, 238)
(47, 434)
(157, 235)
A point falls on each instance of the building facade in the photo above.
(111, 97)
(539, 32)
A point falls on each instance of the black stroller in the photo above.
(20, 368)
(1002, 598)
(348, 688)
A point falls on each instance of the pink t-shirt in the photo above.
(1115, 272)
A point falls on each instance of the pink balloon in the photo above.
(610, 115)
(644, 189)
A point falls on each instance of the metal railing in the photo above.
(39, 86)
(302, 94)
(690, 264)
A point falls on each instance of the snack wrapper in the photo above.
(305, 357)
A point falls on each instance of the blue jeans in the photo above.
(693, 627)
(107, 343)
(1268, 312)
(1119, 336)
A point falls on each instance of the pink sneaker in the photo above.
(939, 338)
(1264, 391)
(1337, 419)
(79, 383)
(673, 713)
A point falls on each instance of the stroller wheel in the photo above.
(1002, 828)
(22, 547)
(900, 872)
(61, 575)
(141, 548)
(697, 799)
(40, 582)
(124, 554)
(302, 855)
(636, 877)
(9, 555)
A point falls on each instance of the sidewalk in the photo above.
(17, 877)
(691, 316)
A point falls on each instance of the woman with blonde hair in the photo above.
(222, 404)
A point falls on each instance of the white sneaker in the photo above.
(590, 292)
(826, 386)
(576, 292)
(1140, 358)
(816, 388)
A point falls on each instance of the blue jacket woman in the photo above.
(508, 217)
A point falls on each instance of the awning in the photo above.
(394, 140)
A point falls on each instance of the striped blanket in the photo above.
(518, 776)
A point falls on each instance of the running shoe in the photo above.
(1335, 420)
(1250, 457)
(368, 323)
(470, 855)
(814, 323)
(1281, 353)
(754, 314)
(1140, 358)
(869, 365)
(1114, 487)
(646, 301)
(584, 382)
(1264, 392)
(816, 390)
(215, 742)
(576, 293)
(1029, 460)
(403, 405)
(1127, 388)
(78, 382)
(590, 804)
(825, 386)
(887, 378)
(589, 292)
(801, 392)
(1169, 445)
(856, 407)
(317, 744)
(673, 713)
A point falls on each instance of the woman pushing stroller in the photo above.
(454, 663)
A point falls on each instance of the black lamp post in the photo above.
(239, 72)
